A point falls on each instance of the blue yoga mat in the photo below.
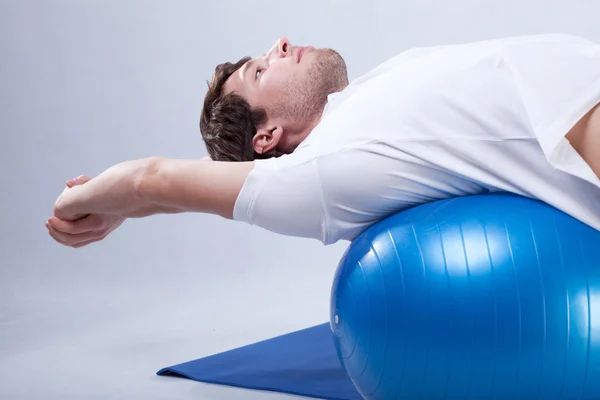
(302, 363)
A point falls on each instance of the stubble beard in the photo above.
(305, 101)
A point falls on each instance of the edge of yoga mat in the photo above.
(178, 371)
(258, 388)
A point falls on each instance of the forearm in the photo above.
(153, 209)
(150, 186)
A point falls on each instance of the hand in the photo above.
(83, 229)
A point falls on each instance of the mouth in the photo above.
(301, 52)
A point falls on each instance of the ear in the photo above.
(267, 139)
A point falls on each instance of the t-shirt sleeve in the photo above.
(283, 195)
(558, 77)
(337, 195)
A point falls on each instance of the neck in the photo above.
(297, 133)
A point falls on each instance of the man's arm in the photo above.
(194, 186)
(585, 139)
(157, 185)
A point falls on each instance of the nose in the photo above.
(284, 47)
(281, 49)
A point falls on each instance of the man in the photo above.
(298, 150)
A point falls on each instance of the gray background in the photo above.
(87, 84)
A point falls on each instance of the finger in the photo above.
(87, 224)
(69, 239)
(80, 180)
(77, 245)
(83, 244)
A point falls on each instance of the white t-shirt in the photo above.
(434, 123)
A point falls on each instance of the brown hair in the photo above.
(227, 121)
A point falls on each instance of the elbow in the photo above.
(146, 179)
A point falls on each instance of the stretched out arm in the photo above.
(157, 185)
(194, 186)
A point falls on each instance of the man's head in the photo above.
(266, 106)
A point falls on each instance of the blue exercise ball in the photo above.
(483, 297)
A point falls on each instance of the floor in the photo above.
(98, 323)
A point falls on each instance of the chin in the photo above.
(330, 63)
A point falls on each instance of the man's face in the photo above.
(290, 82)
